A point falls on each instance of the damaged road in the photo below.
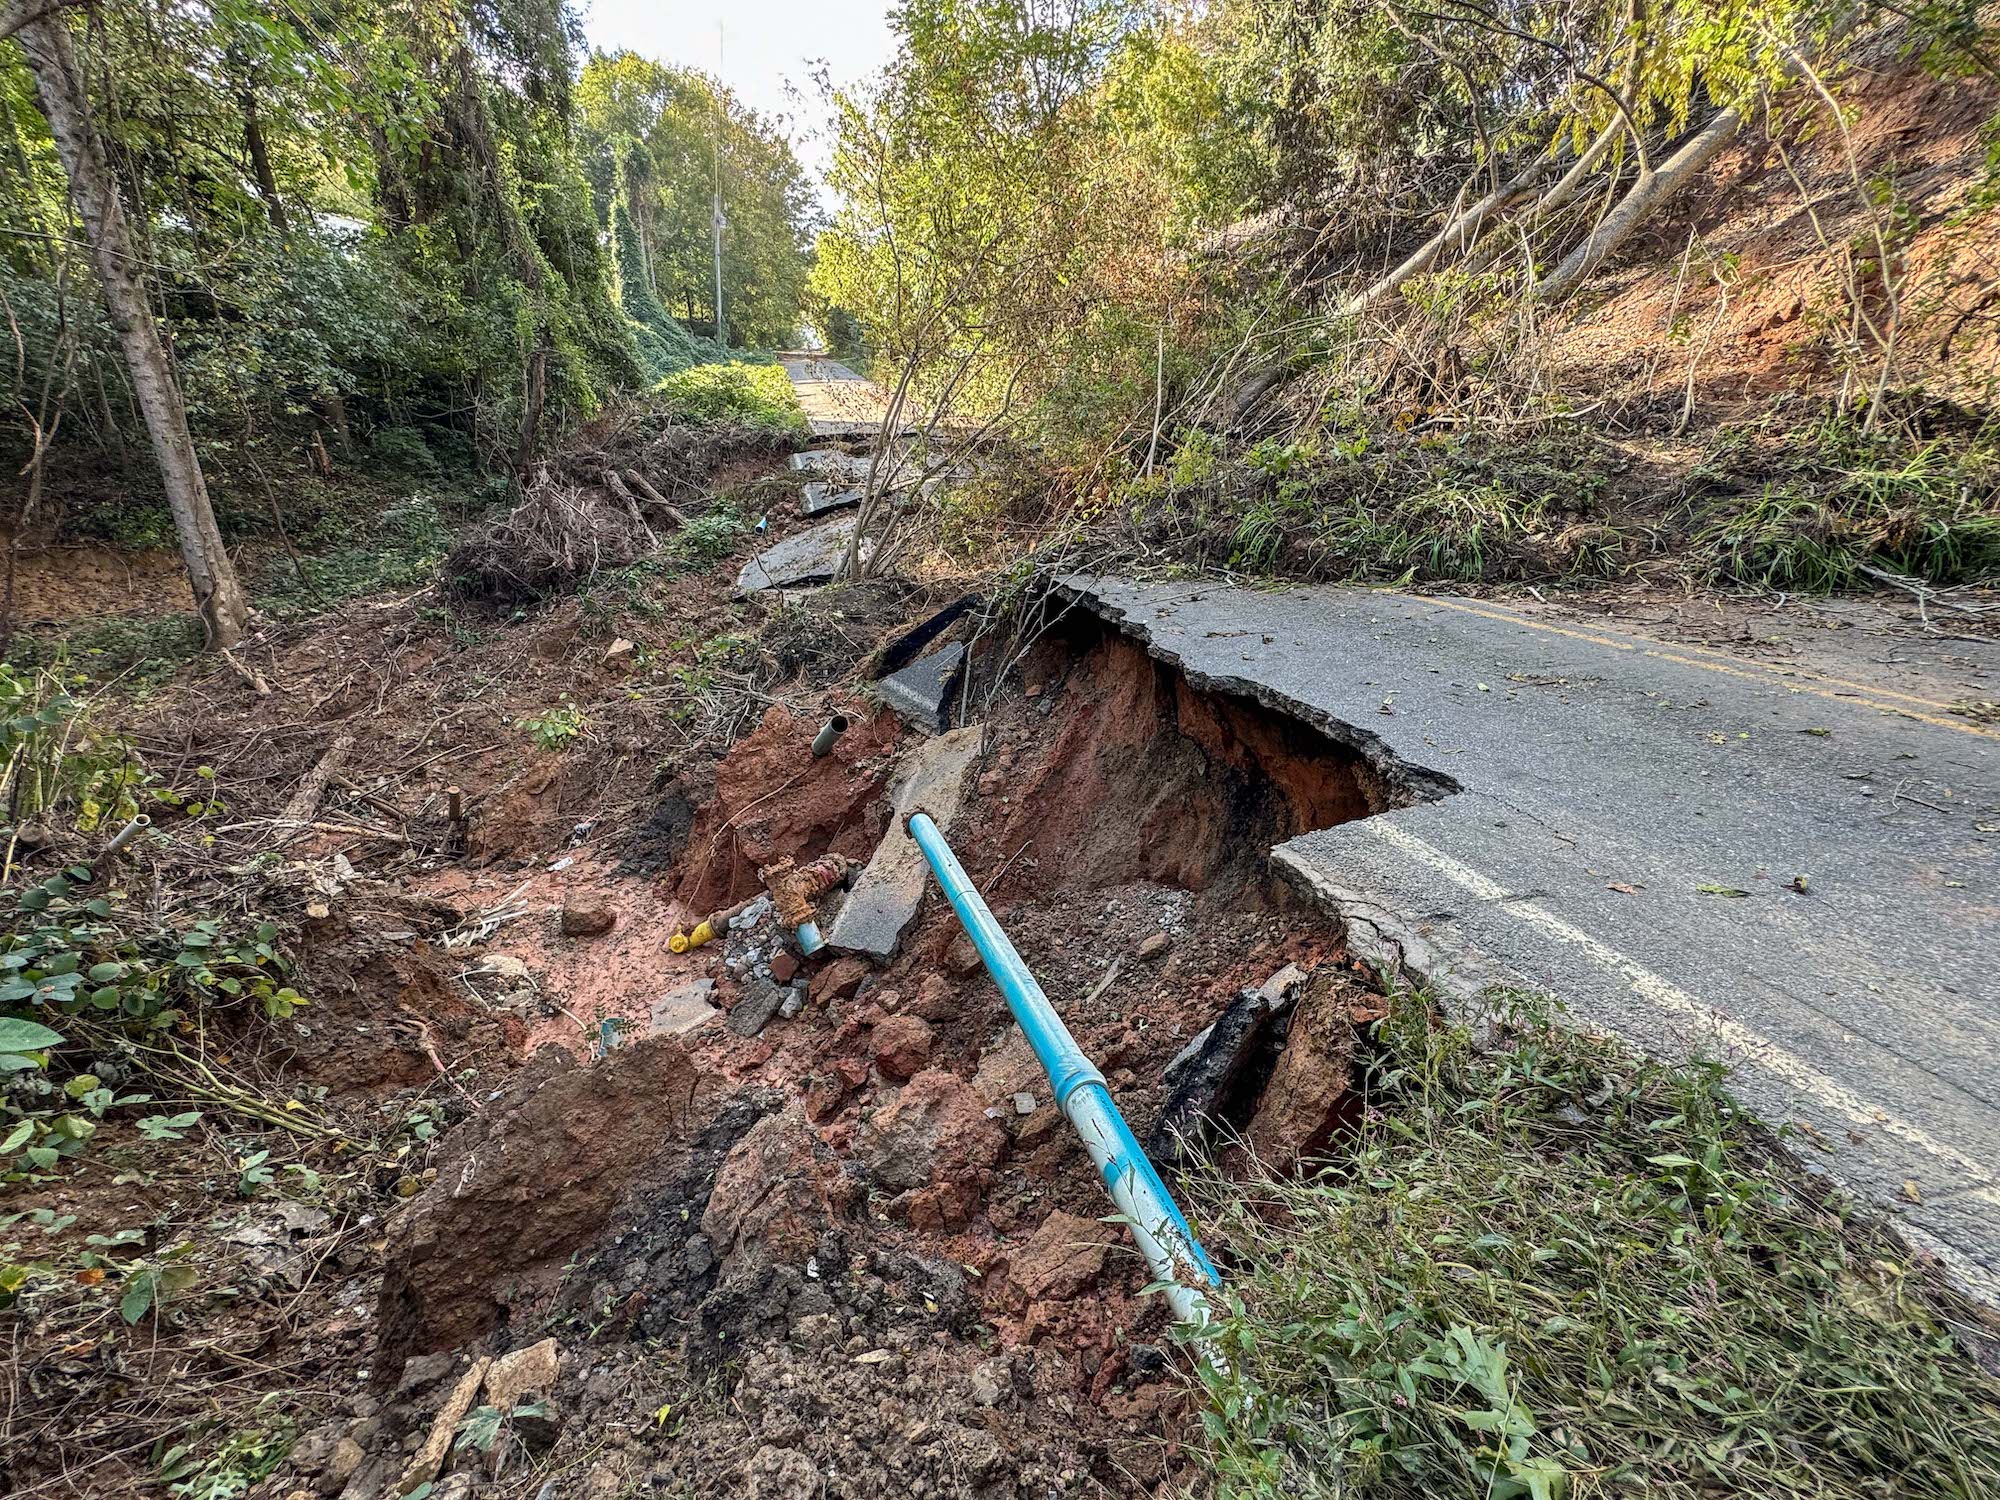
(1787, 864)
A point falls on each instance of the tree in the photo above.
(224, 608)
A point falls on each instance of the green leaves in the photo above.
(17, 1035)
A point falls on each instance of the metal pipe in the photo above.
(1080, 1092)
(830, 731)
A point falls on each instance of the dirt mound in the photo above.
(530, 1181)
(774, 799)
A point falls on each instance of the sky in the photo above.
(766, 45)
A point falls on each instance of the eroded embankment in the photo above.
(843, 1212)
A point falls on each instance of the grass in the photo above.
(1837, 499)
(1548, 1269)
(757, 393)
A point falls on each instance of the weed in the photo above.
(557, 728)
(1549, 1268)
(234, 1466)
(1841, 500)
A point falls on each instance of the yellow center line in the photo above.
(1858, 694)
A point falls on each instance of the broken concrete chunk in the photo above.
(831, 464)
(1211, 1082)
(530, 1371)
(811, 557)
(683, 1009)
(885, 896)
(921, 693)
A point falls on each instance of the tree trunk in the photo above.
(260, 157)
(1463, 227)
(1652, 189)
(225, 612)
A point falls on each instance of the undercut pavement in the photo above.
(1782, 853)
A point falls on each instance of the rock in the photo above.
(455, 1487)
(423, 1372)
(934, 1129)
(766, 1205)
(961, 959)
(1062, 1258)
(587, 921)
(839, 980)
(431, 1454)
(532, 1371)
(885, 896)
(990, 784)
(784, 966)
(1024, 1103)
(341, 1465)
(902, 1047)
(781, 1474)
(824, 1096)
(937, 999)
(761, 1001)
(1154, 946)
(989, 1382)
(619, 656)
(975, 1453)
(504, 966)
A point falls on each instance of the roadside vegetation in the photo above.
(1542, 1267)
(1315, 292)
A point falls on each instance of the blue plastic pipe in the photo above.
(1163, 1234)
(810, 942)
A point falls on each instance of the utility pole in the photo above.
(715, 217)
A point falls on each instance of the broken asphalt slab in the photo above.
(817, 498)
(1583, 806)
(921, 693)
(811, 557)
(886, 895)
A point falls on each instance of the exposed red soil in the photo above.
(1750, 286)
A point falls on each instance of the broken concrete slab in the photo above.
(1214, 1080)
(811, 557)
(921, 693)
(885, 896)
(817, 498)
(683, 1009)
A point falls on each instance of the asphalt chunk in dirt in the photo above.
(811, 557)
(921, 693)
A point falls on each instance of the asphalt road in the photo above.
(1604, 776)
(838, 402)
